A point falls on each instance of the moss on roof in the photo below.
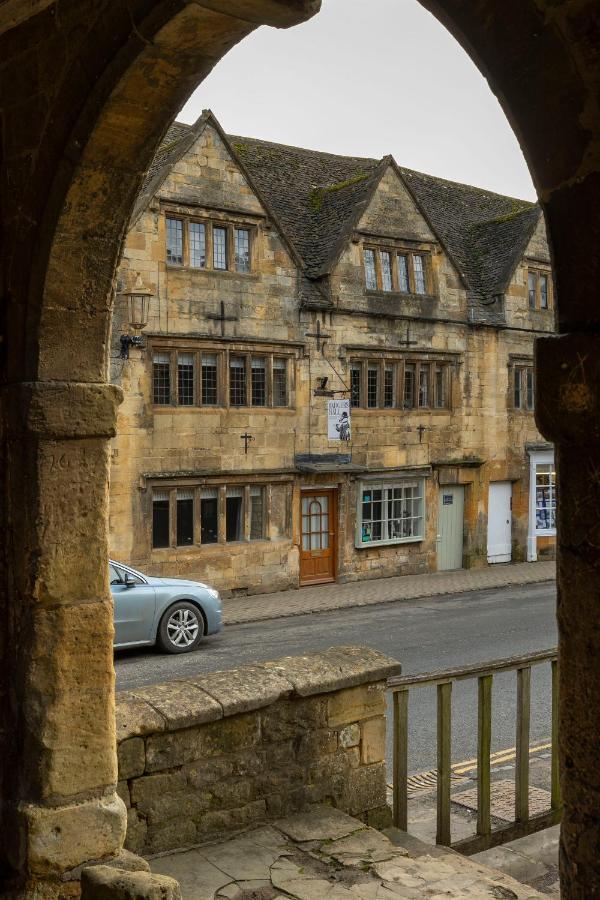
(319, 193)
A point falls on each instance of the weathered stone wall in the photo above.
(157, 444)
(209, 755)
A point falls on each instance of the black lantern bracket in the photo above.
(138, 298)
(128, 341)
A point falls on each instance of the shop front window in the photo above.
(545, 497)
(391, 512)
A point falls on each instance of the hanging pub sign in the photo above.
(338, 420)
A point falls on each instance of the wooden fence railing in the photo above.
(523, 823)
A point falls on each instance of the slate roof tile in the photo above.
(318, 198)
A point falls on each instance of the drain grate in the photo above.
(427, 781)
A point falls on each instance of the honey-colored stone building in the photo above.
(285, 284)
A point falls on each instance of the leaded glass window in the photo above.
(197, 245)
(440, 387)
(543, 291)
(419, 273)
(209, 515)
(355, 377)
(372, 385)
(257, 514)
(185, 379)
(370, 270)
(242, 250)
(160, 519)
(423, 385)
(234, 514)
(237, 380)
(161, 379)
(530, 388)
(403, 283)
(174, 241)
(409, 385)
(391, 512)
(518, 388)
(532, 289)
(209, 379)
(389, 386)
(219, 248)
(185, 518)
(524, 388)
(259, 380)
(280, 382)
(386, 270)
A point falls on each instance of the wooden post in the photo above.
(484, 741)
(522, 760)
(400, 760)
(444, 748)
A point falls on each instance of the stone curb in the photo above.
(260, 615)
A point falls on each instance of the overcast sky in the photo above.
(366, 78)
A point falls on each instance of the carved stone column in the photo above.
(61, 808)
(568, 413)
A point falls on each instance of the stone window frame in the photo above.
(522, 377)
(394, 252)
(387, 484)
(365, 362)
(246, 485)
(539, 271)
(211, 221)
(520, 367)
(223, 354)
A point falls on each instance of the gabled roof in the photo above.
(176, 142)
(317, 199)
(316, 195)
(485, 233)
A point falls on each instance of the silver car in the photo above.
(170, 612)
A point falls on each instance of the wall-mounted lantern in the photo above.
(138, 302)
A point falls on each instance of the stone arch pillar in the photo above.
(87, 92)
(541, 60)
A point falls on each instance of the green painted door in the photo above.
(450, 528)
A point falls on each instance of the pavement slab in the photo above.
(300, 601)
(320, 823)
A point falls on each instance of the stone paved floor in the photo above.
(323, 854)
(381, 590)
(532, 860)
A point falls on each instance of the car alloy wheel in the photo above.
(181, 628)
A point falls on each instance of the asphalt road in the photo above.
(424, 635)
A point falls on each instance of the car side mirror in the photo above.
(129, 581)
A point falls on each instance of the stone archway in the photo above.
(87, 91)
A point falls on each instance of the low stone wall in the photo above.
(217, 753)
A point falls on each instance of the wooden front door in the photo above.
(318, 542)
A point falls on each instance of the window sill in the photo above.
(420, 411)
(164, 551)
(393, 543)
(227, 273)
(400, 295)
(549, 532)
(158, 410)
